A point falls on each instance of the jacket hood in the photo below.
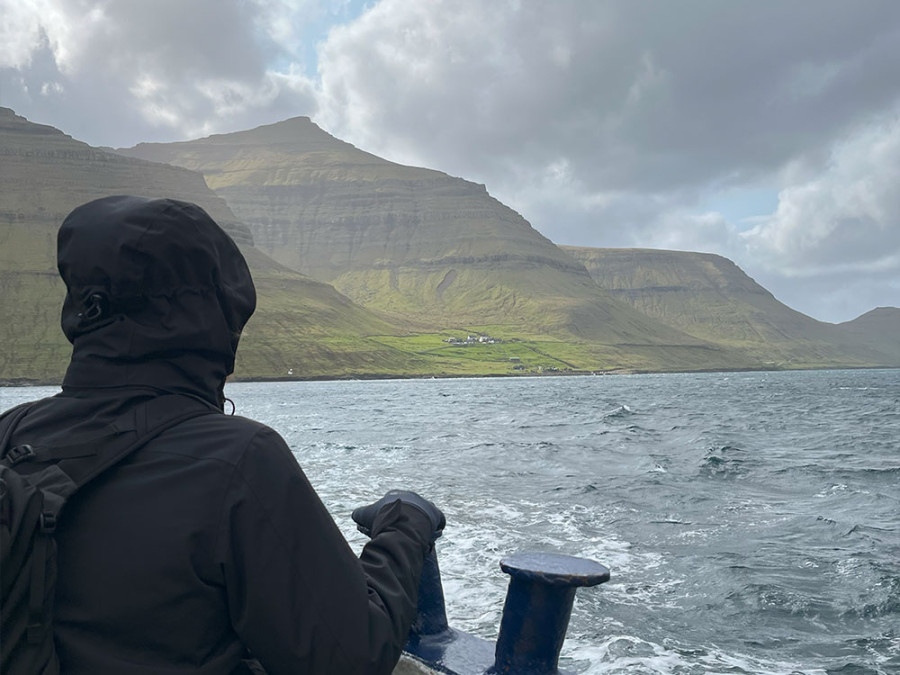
(157, 295)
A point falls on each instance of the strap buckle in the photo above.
(19, 453)
(48, 523)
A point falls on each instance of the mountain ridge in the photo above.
(709, 296)
(309, 327)
(423, 259)
(415, 244)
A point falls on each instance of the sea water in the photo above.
(751, 521)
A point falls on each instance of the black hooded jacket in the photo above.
(209, 541)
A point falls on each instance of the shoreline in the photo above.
(28, 382)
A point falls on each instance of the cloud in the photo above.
(117, 73)
(604, 123)
(26, 26)
(640, 96)
(20, 33)
(846, 218)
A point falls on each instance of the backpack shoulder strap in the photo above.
(81, 460)
(151, 419)
(8, 422)
(33, 501)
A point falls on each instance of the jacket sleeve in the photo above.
(299, 598)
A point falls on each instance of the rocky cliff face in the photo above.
(327, 209)
(414, 243)
(712, 298)
(46, 173)
(300, 324)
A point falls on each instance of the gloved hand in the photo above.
(364, 516)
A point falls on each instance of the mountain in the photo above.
(710, 297)
(426, 260)
(878, 329)
(300, 324)
(424, 248)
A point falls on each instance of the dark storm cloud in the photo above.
(637, 95)
(116, 73)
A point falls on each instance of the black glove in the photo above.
(364, 516)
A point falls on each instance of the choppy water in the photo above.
(751, 521)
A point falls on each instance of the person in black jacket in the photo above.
(209, 541)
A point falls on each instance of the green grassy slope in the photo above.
(300, 323)
(421, 247)
(878, 330)
(709, 297)
(306, 328)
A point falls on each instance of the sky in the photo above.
(765, 131)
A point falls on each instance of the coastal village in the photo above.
(473, 340)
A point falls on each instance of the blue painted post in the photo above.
(537, 609)
(534, 623)
(431, 617)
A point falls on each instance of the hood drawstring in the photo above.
(96, 309)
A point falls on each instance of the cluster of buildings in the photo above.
(473, 340)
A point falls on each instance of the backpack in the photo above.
(35, 483)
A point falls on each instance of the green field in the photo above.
(508, 356)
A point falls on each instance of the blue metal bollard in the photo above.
(533, 626)
(537, 609)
